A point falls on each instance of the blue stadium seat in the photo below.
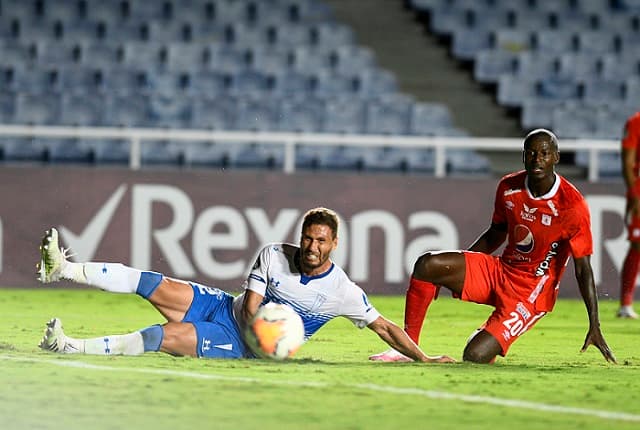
(162, 152)
(259, 155)
(250, 82)
(169, 111)
(467, 162)
(351, 59)
(328, 35)
(256, 114)
(375, 82)
(69, 151)
(217, 113)
(345, 158)
(344, 115)
(389, 115)
(127, 111)
(490, 64)
(110, 151)
(24, 149)
(313, 156)
(537, 113)
(467, 43)
(327, 84)
(386, 159)
(421, 160)
(37, 109)
(210, 154)
(208, 83)
(291, 83)
(301, 114)
(429, 119)
(101, 54)
(82, 110)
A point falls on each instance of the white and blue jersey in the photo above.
(317, 299)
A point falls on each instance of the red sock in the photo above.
(419, 296)
(629, 274)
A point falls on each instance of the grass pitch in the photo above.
(544, 383)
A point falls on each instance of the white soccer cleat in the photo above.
(627, 312)
(52, 258)
(55, 340)
(390, 355)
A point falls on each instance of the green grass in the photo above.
(330, 384)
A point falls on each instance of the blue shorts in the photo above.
(211, 313)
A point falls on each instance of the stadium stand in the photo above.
(269, 65)
(568, 65)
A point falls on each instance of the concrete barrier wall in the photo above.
(207, 225)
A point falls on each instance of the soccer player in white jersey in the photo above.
(207, 322)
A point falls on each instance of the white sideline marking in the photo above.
(442, 395)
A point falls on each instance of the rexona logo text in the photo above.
(223, 228)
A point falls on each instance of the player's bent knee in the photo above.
(481, 348)
(179, 339)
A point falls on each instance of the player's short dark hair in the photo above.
(322, 216)
(541, 132)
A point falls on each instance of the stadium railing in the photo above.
(137, 137)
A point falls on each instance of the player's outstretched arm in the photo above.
(400, 341)
(584, 276)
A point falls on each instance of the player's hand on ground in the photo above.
(596, 339)
(441, 359)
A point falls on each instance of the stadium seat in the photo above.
(209, 154)
(256, 114)
(127, 111)
(429, 119)
(69, 151)
(38, 109)
(313, 156)
(388, 116)
(259, 155)
(344, 115)
(215, 113)
(467, 43)
(301, 114)
(467, 162)
(490, 64)
(24, 149)
(82, 110)
(169, 111)
(162, 152)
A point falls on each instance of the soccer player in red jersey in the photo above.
(630, 172)
(544, 220)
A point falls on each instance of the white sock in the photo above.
(113, 277)
(120, 344)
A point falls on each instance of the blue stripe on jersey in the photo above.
(304, 279)
(312, 321)
(257, 278)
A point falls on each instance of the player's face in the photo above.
(540, 157)
(316, 244)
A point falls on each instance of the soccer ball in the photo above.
(276, 331)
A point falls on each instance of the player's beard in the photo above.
(311, 261)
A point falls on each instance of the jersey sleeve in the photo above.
(499, 212)
(357, 308)
(257, 279)
(581, 240)
(631, 133)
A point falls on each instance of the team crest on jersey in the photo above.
(527, 213)
(546, 219)
(523, 239)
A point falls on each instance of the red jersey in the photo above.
(543, 232)
(631, 138)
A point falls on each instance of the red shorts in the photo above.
(486, 283)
